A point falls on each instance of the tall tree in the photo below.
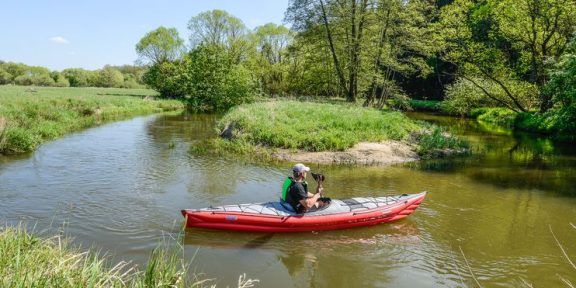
(540, 29)
(160, 45)
(218, 27)
(268, 62)
(333, 15)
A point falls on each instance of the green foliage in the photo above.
(505, 45)
(5, 77)
(425, 105)
(219, 28)
(110, 78)
(213, 82)
(498, 116)
(358, 48)
(160, 45)
(268, 63)
(435, 142)
(467, 94)
(167, 78)
(29, 261)
(561, 119)
(30, 117)
(76, 77)
(313, 126)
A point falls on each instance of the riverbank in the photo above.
(30, 261)
(30, 116)
(327, 133)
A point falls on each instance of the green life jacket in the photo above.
(286, 187)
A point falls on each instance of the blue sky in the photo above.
(62, 34)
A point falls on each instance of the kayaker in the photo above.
(297, 195)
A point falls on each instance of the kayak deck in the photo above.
(279, 217)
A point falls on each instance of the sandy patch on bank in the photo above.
(363, 153)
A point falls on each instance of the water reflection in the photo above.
(506, 159)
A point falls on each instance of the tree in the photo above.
(217, 27)
(168, 78)
(213, 82)
(539, 29)
(268, 62)
(160, 45)
(77, 77)
(110, 77)
(369, 42)
(5, 77)
(34, 75)
(506, 43)
(561, 89)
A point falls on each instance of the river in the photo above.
(489, 217)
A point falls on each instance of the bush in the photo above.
(436, 142)
(499, 116)
(18, 140)
(168, 79)
(463, 96)
(213, 82)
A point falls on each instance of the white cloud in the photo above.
(59, 40)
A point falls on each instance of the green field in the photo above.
(30, 116)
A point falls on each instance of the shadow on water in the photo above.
(507, 159)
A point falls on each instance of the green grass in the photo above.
(497, 116)
(311, 126)
(29, 261)
(30, 116)
(314, 126)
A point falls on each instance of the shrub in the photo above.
(214, 83)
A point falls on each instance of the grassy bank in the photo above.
(30, 116)
(29, 261)
(316, 127)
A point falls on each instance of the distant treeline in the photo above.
(126, 76)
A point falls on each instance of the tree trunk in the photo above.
(339, 71)
(370, 98)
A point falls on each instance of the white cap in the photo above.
(300, 168)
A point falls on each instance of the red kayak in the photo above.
(279, 217)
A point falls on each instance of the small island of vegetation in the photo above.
(327, 133)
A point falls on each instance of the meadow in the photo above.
(30, 116)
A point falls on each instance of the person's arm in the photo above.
(309, 202)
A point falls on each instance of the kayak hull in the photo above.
(274, 217)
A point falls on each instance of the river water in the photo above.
(490, 217)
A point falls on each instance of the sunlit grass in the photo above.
(29, 261)
(260, 128)
(314, 126)
(30, 116)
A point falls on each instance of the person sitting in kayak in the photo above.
(296, 193)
